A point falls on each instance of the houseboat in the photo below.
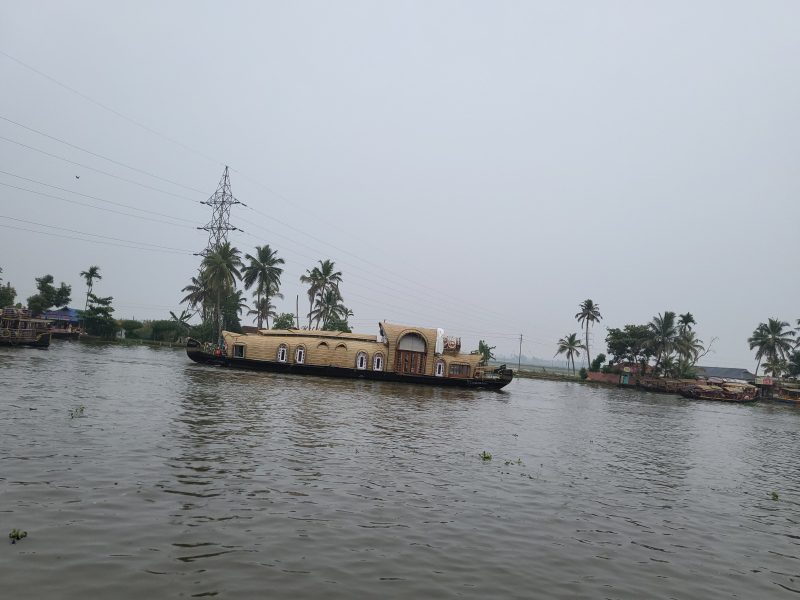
(18, 328)
(396, 353)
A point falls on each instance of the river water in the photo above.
(179, 480)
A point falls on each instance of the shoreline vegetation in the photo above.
(666, 347)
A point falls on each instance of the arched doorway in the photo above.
(411, 355)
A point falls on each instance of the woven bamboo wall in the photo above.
(323, 348)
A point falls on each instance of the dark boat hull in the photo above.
(195, 352)
(42, 340)
(65, 335)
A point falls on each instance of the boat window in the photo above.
(238, 351)
(361, 360)
(413, 342)
(377, 362)
(300, 355)
(459, 370)
(282, 352)
(440, 368)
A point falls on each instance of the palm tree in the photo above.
(220, 271)
(775, 366)
(770, 340)
(589, 313)
(263, 271)
(263, 310)
(685, 322)
(688, 345)
(570, 346)
(329, 307)
(663, 332)
(182, 320)
(320, 280)
(89, 276)
(198, 297)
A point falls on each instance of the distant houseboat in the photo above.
(18, 328)
(397, 353)
(64, 323)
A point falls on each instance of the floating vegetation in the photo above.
(74, 413)
(514, 462)
(485, 455)
(16, 535)
(775, 496)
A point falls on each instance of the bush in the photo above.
(582, 373)
(597, 362)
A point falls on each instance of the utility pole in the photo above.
(519, 356)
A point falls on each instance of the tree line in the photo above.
(670, 342)
(96, 317)
(215, 294)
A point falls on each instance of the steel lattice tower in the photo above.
(220, 224)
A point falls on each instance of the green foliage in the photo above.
(337, 324)
(284, 321)
(263, 272)
(485, 350)
(231, 308)
(775, 496)
(583, 373)
(76, 412)
(607, 369)
(630, 344)
(597, 362)
(793, 366)
(131, 327)
(569, 346)
(16, 535)
(49, 296)
(97, 317)
(589, 313)
(485, 455)
(772, 340)
(7, 295)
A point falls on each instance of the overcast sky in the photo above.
(479, 166)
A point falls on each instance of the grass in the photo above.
(16, 535)
(485, 455)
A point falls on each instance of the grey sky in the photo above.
(509, 158)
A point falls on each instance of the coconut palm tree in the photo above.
(220, 272)
(774, 366)
(589, 313)
(263, 272)
(663, 332)
(685, 322)
(688, 345)
(320, 279)
(570, 345)
(329, 306)
(198, 297)
(89, 276)
(263, 310)
(772, 341)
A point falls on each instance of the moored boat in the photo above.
(398, 353)
(18, 328)
(724, 391)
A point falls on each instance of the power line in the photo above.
(154, 132)
(106, 173)
(111, 160)
(91, 197)
(111, 210)
(108, 108)
(70, 237)
(91, 234)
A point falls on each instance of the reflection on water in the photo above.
(182, 480)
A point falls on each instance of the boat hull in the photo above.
(196, 353)
(41, 340)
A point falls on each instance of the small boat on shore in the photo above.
(398, 353)
(18, 328)
(725, 391)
